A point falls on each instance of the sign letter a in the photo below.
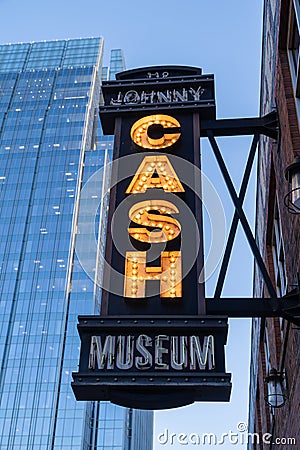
(155, 172)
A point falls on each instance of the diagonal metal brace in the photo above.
(239, 209)
(235, 221)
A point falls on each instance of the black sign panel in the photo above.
(152, 363)
(189, 241)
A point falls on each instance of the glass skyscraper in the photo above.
(50, 145)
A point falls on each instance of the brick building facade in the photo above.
(276, 342)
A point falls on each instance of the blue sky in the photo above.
(222, 37)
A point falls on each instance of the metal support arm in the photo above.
(287, 307)
(267, 125)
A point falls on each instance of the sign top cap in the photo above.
(158, 72)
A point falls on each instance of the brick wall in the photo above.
(285, 422)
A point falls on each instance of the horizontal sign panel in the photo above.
(129, 360)
(192, 93)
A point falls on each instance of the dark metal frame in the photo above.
(287, 307)
(167, 387)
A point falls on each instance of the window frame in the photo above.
(294, 23)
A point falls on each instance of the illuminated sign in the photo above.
(152, 132)
(154, 334)
(155, 217)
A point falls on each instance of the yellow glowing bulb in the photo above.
(140, 127)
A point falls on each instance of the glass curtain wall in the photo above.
(49, 148)
(49, 95)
